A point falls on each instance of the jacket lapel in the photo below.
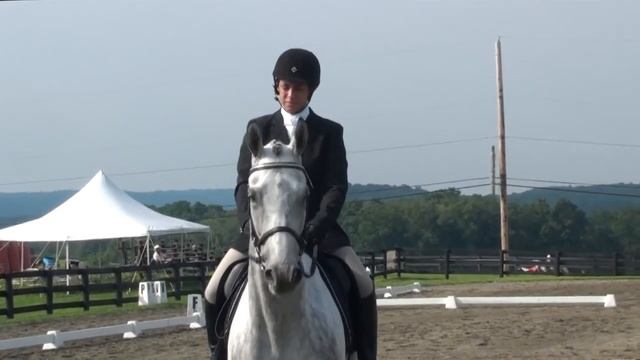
(314, 127)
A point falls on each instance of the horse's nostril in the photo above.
(268, 274)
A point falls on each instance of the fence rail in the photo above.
(399, 261)
(192, 277)
(181, 278)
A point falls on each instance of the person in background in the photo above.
(158, 258)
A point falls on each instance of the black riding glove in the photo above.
(311, 232)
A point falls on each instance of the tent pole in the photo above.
(208, 246)
(21, 260)
(148, 255)
(182, 248)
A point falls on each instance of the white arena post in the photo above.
(392, 291)
(452, 302)
(194, 308)
(132, 329)
(146, 293)
(160, 292)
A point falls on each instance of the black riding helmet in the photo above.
(297, 65)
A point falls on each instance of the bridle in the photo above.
(260, 239)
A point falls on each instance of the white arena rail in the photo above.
(195, 319)
(132, 329)
(392, 291)
(452, 302)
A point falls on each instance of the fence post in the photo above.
(203, 277)
(85, 289)
(501, 263)
(447, 259)
(176, 279)
(118, 275)
(148, 273)
(558, 253)
(49, 291)
(398, 261)
(615, 263)
(372, 263)
(384, 262)
(9, 286)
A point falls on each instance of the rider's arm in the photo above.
(240, 193)
(334, 182)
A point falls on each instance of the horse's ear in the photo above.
(254, 139)
(300, 138)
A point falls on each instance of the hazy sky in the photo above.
(151, 85)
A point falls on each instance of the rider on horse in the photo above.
(296, 76)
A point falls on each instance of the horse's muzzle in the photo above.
(283, 278)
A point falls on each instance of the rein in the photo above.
(259, 240)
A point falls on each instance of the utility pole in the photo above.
(493, 171)
(504, 218)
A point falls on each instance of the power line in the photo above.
(576, 191)
(142, 172)
(568, 141)
(351, 193)
(420, 145)
(172, 169)
(618, 186)
(382, 197)
(421, 193)
(549, 181)
(187, 168)
(419, 185)
(363, 151)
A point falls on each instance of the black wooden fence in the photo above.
(188, 278)
(181, 278)
(398, 261)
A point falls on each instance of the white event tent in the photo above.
(99, 211)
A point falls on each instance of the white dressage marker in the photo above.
(452, 302)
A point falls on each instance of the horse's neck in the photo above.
(279, 317)
(270, 308)
(304, 323)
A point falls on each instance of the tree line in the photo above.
(434, 221)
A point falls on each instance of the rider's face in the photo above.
(293, 96)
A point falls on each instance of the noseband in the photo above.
(259, 240)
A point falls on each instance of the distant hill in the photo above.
(376, 191)
(587, 198)
(19, 207)
(33, 205)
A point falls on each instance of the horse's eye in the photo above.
(251, 195)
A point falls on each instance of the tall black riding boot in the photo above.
(211, 312)
(367, 328)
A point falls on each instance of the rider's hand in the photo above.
(244, 228)
(311, 232)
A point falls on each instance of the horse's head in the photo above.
(278, 191)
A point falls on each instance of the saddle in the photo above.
(333, 271)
